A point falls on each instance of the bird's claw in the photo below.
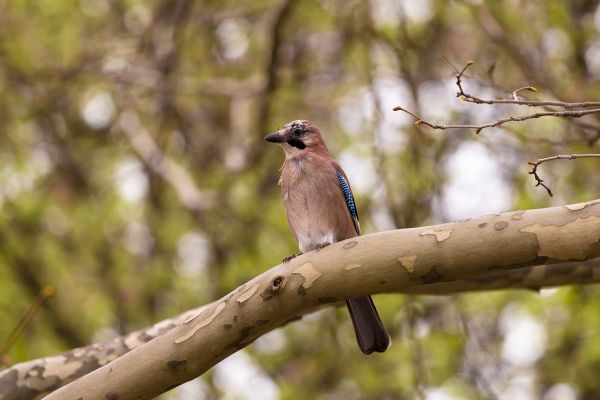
(320, 246)
(288, 258)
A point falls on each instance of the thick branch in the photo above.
(382, 262)
(33, 379)
(532, 278)
(64, 368)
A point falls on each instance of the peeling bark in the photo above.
(33, 379)
(526, 249)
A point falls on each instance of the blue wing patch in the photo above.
(347, 195)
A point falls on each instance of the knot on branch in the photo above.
(274, 288)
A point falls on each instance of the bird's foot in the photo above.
(320, 246)
(288, 258)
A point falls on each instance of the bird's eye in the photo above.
(297, 132)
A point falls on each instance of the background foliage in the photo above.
(134, 178)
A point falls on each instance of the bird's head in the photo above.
(298, 137)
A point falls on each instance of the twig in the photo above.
(459, 77)
(479, 128)
(44, 295)
(535, 164)
(515, 100)
(516, 92)
(572, 110)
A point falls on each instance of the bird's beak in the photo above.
(276, 137)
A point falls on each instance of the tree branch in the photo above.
(519, 118)
(535, 164)
(532, 278)
(33, 379)
(573, 110)
(142, 142)
(45, 294)
(383, 262)
(61, 369)
(515, 100)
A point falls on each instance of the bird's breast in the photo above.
(315, 207)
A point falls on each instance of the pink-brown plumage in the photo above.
(315, 206)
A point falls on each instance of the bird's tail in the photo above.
(370, 333)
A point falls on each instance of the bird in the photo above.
(320, 210)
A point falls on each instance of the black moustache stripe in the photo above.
(297, 143)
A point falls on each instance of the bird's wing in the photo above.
(347, 192)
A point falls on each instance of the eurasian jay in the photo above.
(320, 210)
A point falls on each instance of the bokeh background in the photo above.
(135, 181)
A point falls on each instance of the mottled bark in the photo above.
(523, 249)
(31, 379)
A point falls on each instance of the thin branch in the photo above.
(515, 94)
(459, 77)
(44, 295)
(515, 100)
(536, 164)
(573, 110)
(479, 128)
(469, 98)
